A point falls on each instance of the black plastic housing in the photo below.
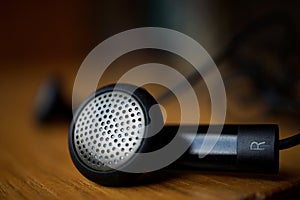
(115, 177)
(247, 148)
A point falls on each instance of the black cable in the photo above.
(234, 43)
(289, 142)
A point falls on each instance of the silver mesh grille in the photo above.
(109, 130)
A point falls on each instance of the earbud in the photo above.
(50, 106)
(114, 124)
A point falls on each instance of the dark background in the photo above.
(53, 37)
(47, 30)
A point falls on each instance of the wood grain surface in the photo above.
(35, 162)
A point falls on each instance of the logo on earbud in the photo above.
(257, 146)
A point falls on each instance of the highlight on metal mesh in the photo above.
(109, 130)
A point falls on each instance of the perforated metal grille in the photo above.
(109, 130)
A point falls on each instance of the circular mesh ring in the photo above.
(109, 130)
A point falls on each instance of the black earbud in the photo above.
(50, 106)
(114, 124)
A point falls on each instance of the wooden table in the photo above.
(35, 162)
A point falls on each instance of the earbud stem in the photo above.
(249, 148)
